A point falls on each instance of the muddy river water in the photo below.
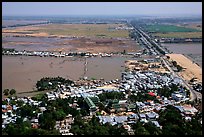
(22, 72)
(192, 50)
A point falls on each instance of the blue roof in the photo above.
(151, 115)
(142, 115)
(120, 119)
(156, 123)
(14, 107)
(3, 106)
(180, 108)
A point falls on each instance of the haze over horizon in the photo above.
(101, 8)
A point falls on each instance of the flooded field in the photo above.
(22, 72)
(192, 51)
(33, 43)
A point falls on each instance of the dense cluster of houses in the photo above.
(178, 40)
(122, 112)
(55, 54)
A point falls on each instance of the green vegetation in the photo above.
(166, 91)
(6, 92)
(93, 127)
(110, 95)
(173, 31)
(174, 124)
(179, 35)
(168, 28)
(11, 92)
(51, 83)
(146, 129)
(24, 128)
(142, 97)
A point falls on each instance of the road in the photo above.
(193, 94)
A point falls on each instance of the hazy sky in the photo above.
(100, 8)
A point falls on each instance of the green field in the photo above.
(179, 35)
(160, 28)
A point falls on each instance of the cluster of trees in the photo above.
(173, 123)
(93, 127)
(166, 91)
(27, 111)
(51, 83)
(24, 128)
(9, 92)
(142, 97)
(146, 129)
(57, 110)
(111, 95)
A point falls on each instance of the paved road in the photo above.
(193, 93)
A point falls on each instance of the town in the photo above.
(102, 68)
(138, 97)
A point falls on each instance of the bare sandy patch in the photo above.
(192, 70)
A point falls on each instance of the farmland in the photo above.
(72, 30)
(175, 31)
(179, 35)
(70, 37)
(197, 26)
(168, 28)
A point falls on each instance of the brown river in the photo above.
(22, 72)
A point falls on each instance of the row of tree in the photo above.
(9, 92)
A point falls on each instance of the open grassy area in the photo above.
(179, 35)
(86, 30)
(160, 28)
(78, 30)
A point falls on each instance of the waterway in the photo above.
(191, 50)
(22, 72)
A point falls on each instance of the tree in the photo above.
(6, 92)
(101, 106)
(59, 115)
(20, 103)
(12, 102)
(174, 63)
(26, 110)
(139, 129)
(47, 121)
(12, 91)
(4, 102)
(152, 129)
(124, 51)
(179, 68)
